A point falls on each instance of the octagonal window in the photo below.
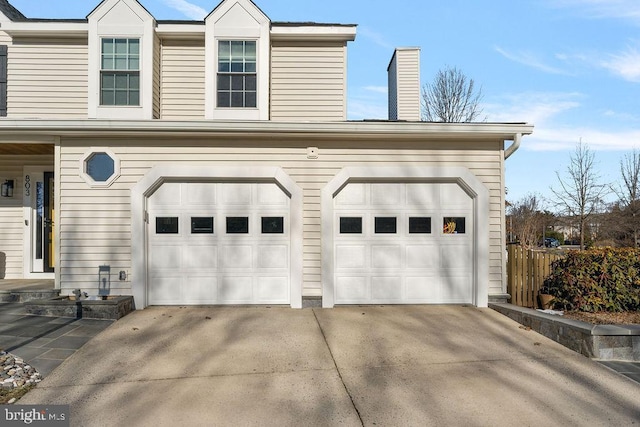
(100, 167)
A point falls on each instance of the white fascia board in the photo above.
(314, 32)
(52, 29)
(182, 31)
(353, 130)
(26, 139)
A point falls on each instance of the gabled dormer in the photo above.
(119, 63)
(237, 62)
(121, 48)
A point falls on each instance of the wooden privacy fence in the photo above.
(526, 271)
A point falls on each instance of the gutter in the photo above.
(389, 131)
(517, 139)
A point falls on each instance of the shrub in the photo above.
(601, 279)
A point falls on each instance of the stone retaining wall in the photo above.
(27, 295)
(603, 342)
(114, 307)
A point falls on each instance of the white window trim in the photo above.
(261, 35)
(87, 178)
(145, 32)
(134, 112)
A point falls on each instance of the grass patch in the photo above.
(17, 393)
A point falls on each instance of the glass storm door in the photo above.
(39, 187)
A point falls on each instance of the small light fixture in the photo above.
(312, 152)
(7, 188)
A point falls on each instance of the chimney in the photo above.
(404, 84)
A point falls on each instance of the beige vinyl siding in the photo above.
(308, 81)
(48, 78)
(182, 80)
(407, 84)
(95, 227)
(106, 212)
(12, 227)
(4, 38)
(157, 49)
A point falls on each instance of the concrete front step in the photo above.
(112, 307)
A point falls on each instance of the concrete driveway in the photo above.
(352, 366)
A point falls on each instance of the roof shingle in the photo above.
(11, 12)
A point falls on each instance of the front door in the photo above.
(39, 203)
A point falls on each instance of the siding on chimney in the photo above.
(404, 85)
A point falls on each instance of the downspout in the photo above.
(517, 138)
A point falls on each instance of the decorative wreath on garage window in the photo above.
(449, 227)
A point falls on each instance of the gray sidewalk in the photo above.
(45, 342)
(410, 365)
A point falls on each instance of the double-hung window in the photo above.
(120, 72)
(237, 76)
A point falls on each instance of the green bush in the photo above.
(601, 279)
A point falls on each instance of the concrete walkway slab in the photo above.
(45, 342)
(419, 365)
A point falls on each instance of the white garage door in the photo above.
(219, 243)
(403, 244)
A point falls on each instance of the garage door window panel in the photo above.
(167, 225)
(350, 225)
(419, 225)
(237, 225)
(386, 225)
(202, 225)
(272, 225)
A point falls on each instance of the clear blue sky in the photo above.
(570, 67)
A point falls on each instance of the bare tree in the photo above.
(580, 191)
(526, 219)
(628, 193)
(451, 98)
